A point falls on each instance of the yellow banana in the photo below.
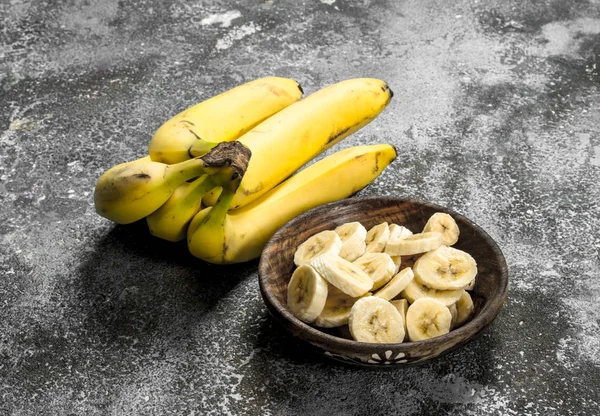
(224, 117)
(171, 220)
(286, 141)
(218, 236)
(130, 191)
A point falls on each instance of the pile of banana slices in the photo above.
(388, 284)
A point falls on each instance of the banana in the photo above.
(377, 238)
(324, 242)
(402, 306)
(286, 141)
(337, 308)
(375, 320)
(471, 285)
(342, 274)
(218, 236)
(130, 191)
(414, 244)
(454, 312)
(353, 235)
(398, 232)
(379, 266)
(445, 268)
(464, 308)
(414, 291)
(395, 286)
(427, 318)
(444, 224)
(171, 220)
(307, 294)
(224, 117)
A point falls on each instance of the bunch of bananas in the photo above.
(222, 172)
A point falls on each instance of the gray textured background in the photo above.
(495, 114)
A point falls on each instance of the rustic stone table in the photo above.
(495, 114)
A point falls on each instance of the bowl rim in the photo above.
(462, 333)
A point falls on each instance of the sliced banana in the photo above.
(427, 318)
(307, 294)
(397, 262)
(395, 286)
(471, 285)
(398, 232)
(379, 266)
(414, 244)
(454, 312)
(402, 306)
(337, 308)
(375, 320)
(445, 268)
(377, 238)
(321, 243)
(464, 308)
(416, 290)
(344, 275)
(353, 236)
(443, 223)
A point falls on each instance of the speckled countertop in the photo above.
(495, 114)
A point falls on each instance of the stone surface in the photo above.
(495, 114)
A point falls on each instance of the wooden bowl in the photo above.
(276, 267)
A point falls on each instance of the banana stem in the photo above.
(199, 188)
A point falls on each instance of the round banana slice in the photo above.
(444, 224)
(353, 236)
(344, 275)
(377, 238)
(396, 285)
(464, 308)
(337, 308)
(427, 318)
(414, 244)
(379, 266)
(320, 243)
(454, 312)
(307, 294)
(445, 268)
(398, 232)
(402, 306)
(375, 320)
(471, 285)
(415, 291)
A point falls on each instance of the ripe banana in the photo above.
(377, 238)
(307, 294)
(286, 141)
(224, 117)
(218, 236)
(445, 268)
(375, 320)
(415, 290)
(324, 242)
(464, 308)
(353, 235)
(342, 274)
(396, 285)
(130, 191)
(398, 232)
(402, 306)
(171, 220)
(427, 318)
(414, 244)
(337, 308)
(444, 224)
(379, 266)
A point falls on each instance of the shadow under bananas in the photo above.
(134, 288)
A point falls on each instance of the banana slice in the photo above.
(337, 308)
(415, 291)
(444, 224)
(445, 268)
(353, 236)
(344, 275)
(471, 285)
(377, 238)
(395, 286)
(375, 320)
(398, 232)
(454, 312)
(320, 243)
(464, 308)
(307, 294)
(402, 306)
(379, 266)
(427, 318)
(414, 244)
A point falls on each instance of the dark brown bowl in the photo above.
(276, 267)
